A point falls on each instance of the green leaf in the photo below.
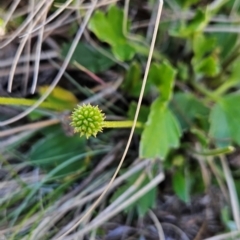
(180, 186)
(147, 201)
(187, 108)
(124, 51)
(232, 110)
(208, 66)
(55, 148)
(235, 71)
(225, 119)
(162, 75)
(202, 45)
(219, 128)
(161, 132)
(89, 57)
(109, 28)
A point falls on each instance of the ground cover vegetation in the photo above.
(115, 125)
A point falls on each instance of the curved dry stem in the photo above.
(25, 23)
(44, 56)
(20, 48)
(10, 12)
(222, 29)
(178, 230)
(232, 192)
(27, 51)
(224, 236)
(54, 15)
(87, 6)
(235, 6)
(38, 53)
(134, 122)
(218, 177)
(216, 4)
(122, 197)
(157, 224)
(62, 21)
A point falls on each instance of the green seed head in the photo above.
(88, 120)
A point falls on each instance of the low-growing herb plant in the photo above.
(89, 120)
(205, 109)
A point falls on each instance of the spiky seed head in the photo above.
(88, 120)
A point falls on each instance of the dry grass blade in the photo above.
(109, 158)
(22, 70)
(232, 192)
(59, 75)
(10, 12)
(178, 230)
(44, 55)
(31, 126)
(157, 224)
(87, 5)
(28, 20)
(122, 197)
(12, 185)
(218, 177)
(54, 15)
(216, 4)
(96, 223)
(11, 140)
(38, 51)
(86, 196)
(227, 29)
(202, 163)
(22, 45)
(232, 235)
(27, 51)
(235, 7)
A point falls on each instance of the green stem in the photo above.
(225, 87)
(217, 151)
(121, 124)
(29, 102)
(206, 92)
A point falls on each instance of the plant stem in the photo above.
(121, 124)
(225, 87)
(29, 102)
(206, 92)
(217, 151)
